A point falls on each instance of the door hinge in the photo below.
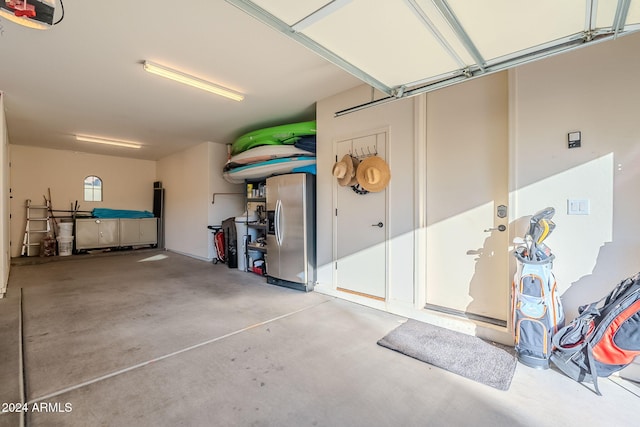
(336, 265)
(336, 211)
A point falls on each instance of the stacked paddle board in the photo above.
(271, 151)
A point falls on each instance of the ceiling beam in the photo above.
(426, 21)
(499, 64)
(620, 17)
(462, 35)
(267, 18)
(319, 14)
(590, 16)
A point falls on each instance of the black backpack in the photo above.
(604, 338)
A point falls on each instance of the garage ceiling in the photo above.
(405, 47)
(85, 75)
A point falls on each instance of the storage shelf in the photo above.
(257, 225)
(257, 199)
(256, 248)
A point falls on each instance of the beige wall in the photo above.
(594, 90)
(190, 178)
(229, 198)
(128, 183)
(398, 118)
(185, 178)
(5, 259)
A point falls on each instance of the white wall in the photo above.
(190, 178)
(5, 259)
(128, 183)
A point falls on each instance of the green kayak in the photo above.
(276, 135)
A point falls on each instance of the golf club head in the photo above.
(540, 225)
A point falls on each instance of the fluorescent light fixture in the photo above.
(116, 142)
(191, 81)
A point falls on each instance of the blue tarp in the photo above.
(309, 169)
(119, 213)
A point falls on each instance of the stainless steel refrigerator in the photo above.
(291, 243)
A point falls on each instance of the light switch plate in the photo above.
(578, 207)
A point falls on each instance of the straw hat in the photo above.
(345, 171)
(373, 174)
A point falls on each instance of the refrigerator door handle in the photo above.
(277, 222)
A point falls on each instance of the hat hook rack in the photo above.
(362, 154)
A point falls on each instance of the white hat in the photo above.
(345, 170)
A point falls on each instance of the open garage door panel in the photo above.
(406, 47)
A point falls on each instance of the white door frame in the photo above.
(367, 300)
(420, 199)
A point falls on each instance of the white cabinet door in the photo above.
(96, 233)
(129, 232)
(134, 231)
(87, 233)
(148, 231)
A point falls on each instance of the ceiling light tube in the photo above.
(181, 77)
(116, 142)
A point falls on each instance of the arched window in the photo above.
(92, 189)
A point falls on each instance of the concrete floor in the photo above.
(119, 341)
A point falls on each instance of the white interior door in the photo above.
(361, 228)
(467, 191)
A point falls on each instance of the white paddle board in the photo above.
(265, 153)
(267, 168)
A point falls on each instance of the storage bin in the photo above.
(65, 229)
(65, 245)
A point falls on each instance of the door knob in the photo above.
(380, 224)
(501, 227)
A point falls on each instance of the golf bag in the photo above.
(535, 306)
(230, 242)
(603, 338)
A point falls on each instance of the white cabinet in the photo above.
(142, 231)
(93, 233)
(96, 233)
